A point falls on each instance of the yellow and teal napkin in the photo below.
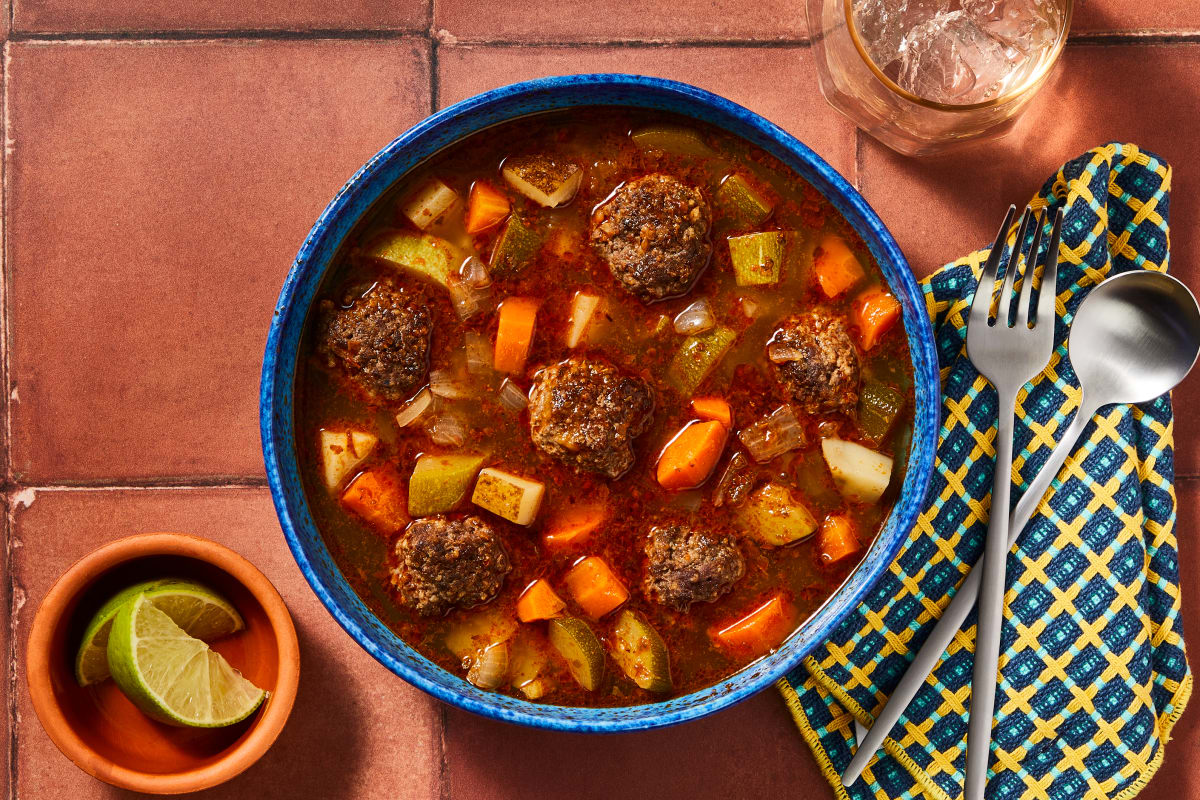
(1093, 671)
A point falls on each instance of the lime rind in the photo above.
(194, 607)
(173, 677)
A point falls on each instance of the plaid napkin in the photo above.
(1093, 672)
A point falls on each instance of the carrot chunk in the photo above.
(378, 496)
(486, 207)
(760, 631)
(836, 539)
(574, 525)
(875, 312)
(594, 586)
(539, 601)
(689, 458)
(514, 333)
(836, 267)
(714, 408)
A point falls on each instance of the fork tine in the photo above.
(1010, 272)
(1031, 260)
(1048, 290)
(981, 305)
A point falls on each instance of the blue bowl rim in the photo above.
(275, 404)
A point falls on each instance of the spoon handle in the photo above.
(960, 606)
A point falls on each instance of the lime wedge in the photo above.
(200, 611)
(173, 677)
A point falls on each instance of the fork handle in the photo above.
(991, 607)
(959, 608)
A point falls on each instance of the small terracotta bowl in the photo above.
(99, 729)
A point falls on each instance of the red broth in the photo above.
(639, 338)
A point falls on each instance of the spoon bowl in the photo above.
(1135, 337)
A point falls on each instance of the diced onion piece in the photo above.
(735, 482)
(447, 430)
(342, 451)
(479, 353)
(696, 318)
(416, 407)
(474, 272)
(443, 384)
(750, 307)
(861, 474)
(780, 352)
(468, 300)
(773, 436)
(489, 670)
(546, 181)
(583, 308)
(511, 396)
(510, 496)
(428, 203)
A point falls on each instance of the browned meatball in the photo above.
(815, 362)
(445, 563)
(653, 232)
(381, 339)
(688, 566)
(586, 413)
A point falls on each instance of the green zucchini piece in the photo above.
(516, 247)
(440, 482)
(742, 203)
(479, 631)
(760, 258)
(671, 139)
(774, 517)
(878, 407)
(641, 653)
(576, 643)
(422, 253)
(697, 357)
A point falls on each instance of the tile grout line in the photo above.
(10, 592)
(10, 587)
(442, 788)
(149, 486)
(388, 34)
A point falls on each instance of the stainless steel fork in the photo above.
(1009, 356)
(955, 614)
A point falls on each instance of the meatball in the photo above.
(586, 413)
(815, 362)
(688, 566)
(445, 563)
(381, 339)
(653, 232)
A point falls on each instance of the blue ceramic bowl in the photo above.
(355, 200)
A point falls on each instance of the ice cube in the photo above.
(882, 24)
(1027, 26)
(950, 59)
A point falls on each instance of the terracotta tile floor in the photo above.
(164, 156)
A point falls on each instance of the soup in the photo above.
(596, 407)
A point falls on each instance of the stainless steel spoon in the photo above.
(1134, 337)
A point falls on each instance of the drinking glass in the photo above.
(858, 88)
